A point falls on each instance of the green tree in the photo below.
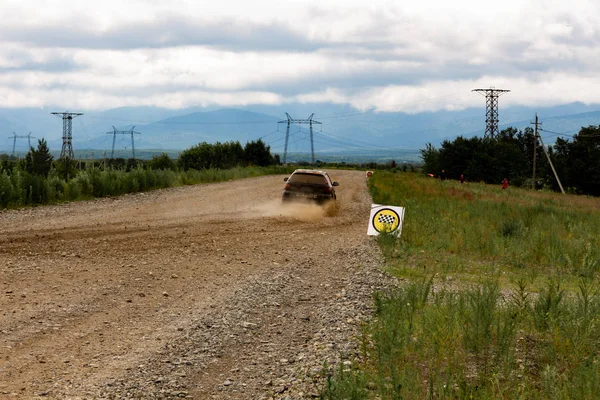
(39, 161)
(431, 159)
(65, 168)
(480, 159)
(162, 161)
(131, 164)
(117, 163)
(258, 153)
(227, 155)
(197, 157)
(578, 161)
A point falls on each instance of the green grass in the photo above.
(501, 300)
(476, 343)
(480, 229)
(20, 189)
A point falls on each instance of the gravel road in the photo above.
(212, 291)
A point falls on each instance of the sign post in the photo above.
(385, 219)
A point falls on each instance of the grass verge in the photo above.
(500, 299)
(21, 189)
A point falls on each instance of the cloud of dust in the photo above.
(302, 211)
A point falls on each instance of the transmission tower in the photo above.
(67, 146)
(15, 137)
(491, 110)
(116, 132)
(291, 121)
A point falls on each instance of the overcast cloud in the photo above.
(382, 55)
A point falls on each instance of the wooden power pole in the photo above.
(535, 140)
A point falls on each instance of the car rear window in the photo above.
(308, 178)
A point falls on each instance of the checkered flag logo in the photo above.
(386, 219)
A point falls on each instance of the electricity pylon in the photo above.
(116, 132)
(491, 110)
(290, 121)
(15, 137)
(67, 146)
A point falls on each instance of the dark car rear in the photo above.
(309, 185)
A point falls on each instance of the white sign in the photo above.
(385, 219)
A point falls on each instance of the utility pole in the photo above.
(15, 137)
(535, 137)
(552, 166)
(290, 121)
(67, 146)
(116, 132)
(491, 113)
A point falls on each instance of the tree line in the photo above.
(40, 162)
(510, 155)
(227, 155)
(38, 178)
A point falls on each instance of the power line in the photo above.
(331, 116)
(356, 142)
(268, 134)
(567, 134)
(413, 104)
(166, 122)
(343, 141)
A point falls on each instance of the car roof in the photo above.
(310, 171)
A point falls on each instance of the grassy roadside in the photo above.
(500, 298)
(20, 190)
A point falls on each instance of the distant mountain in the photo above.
(343, 130)
(221, 125)
(562, 125)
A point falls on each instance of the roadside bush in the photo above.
(65, 168)
(7, 190)
(56, 188)
(19, 188)
(82, 184)
(162, 162)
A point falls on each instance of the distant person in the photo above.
(461, 179)
(505, 184)
(443, 175)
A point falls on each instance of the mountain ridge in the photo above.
(343, 129)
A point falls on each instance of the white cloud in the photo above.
(381, 54)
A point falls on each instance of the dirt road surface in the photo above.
(212, 291)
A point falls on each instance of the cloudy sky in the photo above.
(397, 55)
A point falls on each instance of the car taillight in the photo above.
(288, 186)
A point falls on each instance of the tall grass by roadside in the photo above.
(475, 344)
(476, 228)
(22, 189)
(500, 299)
